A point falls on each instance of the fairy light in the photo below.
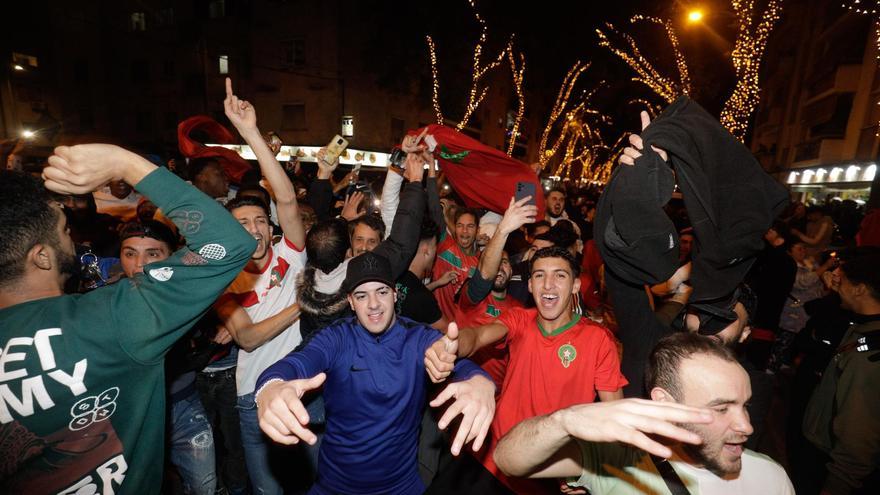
(435, 81)
(517, 74)
(861, 8)
(680, 63)
(651, 108)
(747, 54)
(479, 70)
(664, 87)
(568, 83)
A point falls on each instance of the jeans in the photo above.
(192, 445)
(274, 468)
(217, 391)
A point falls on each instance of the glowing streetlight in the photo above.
(18, 67)
(28, 134)
(695, 16)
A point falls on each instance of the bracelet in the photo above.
(263, 386)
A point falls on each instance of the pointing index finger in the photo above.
(228, 87)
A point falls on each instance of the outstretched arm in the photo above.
(243, 116)
(440, 357)
(544, 446)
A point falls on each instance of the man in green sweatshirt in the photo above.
(843, 416)
(82, 390)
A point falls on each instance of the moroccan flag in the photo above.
(234, 165)
(482, 176)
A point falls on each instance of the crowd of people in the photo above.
(171, 328)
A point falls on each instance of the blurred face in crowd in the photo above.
(536, 245)
(798, 252)
(139, 251)
(212, 181)
(849, 292)
(466, 231)
(373, 303)
(307, 215)
(686, 242)
(504, 272)
(555, 203)
(553, 284)
(363, 239)
(723, 387)
(119, 189)
(733, 334)
(255, 220)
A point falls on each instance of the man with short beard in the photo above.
(85, 407)
(483, 298)
(698, 403)
(374, 387)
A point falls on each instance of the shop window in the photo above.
(224, 64)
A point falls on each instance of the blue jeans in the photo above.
(217, 391)
(268, 462)
(192, 445)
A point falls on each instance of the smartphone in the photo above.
(524, 189)
(335, 148)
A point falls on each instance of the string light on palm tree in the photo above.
(557, 111)
(517, 73)
(871, 8)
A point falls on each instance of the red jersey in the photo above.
(547, 372)
(451, 257)
(493, 359)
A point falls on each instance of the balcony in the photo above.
(818, 151)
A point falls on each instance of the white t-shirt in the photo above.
(616, 469)
(264, 295)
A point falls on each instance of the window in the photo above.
(293, 117)
(224, 64)
(397, 130)
(295, 52)
(24, 60)
(138, 21)
(140, 71)
(216, 9)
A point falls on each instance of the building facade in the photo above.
(816, 125)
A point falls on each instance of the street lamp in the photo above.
(18, 67)
(28, 134)
(695, 16)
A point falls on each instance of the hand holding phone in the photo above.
(524, 189)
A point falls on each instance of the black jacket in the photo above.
(729, 198)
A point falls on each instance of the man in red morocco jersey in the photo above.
(557, 358)
(483, 298)
(456, 253)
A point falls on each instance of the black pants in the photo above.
(218, 394)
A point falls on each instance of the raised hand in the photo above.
(630, 153)
(475, 401)
(440, 357)
(518, 214)
(282, 415)
(241, 113)
(413, 144)
(414, 169)
(352, 205)
(632, 420)
(325, 167)
(84, 168)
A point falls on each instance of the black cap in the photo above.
(153, 229)
(367, 267)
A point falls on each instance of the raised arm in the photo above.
(156, 308)
(243, 116)
(518, 214)
(403, 241)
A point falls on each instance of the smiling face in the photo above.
(363, 239)
(504, 272)
(553, 284)
(466, 231)
(373, 303)
(724, 387)
(255, 220)
(139, 251)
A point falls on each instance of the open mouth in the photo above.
(375, 317)
(735, 449)
(549, 300)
